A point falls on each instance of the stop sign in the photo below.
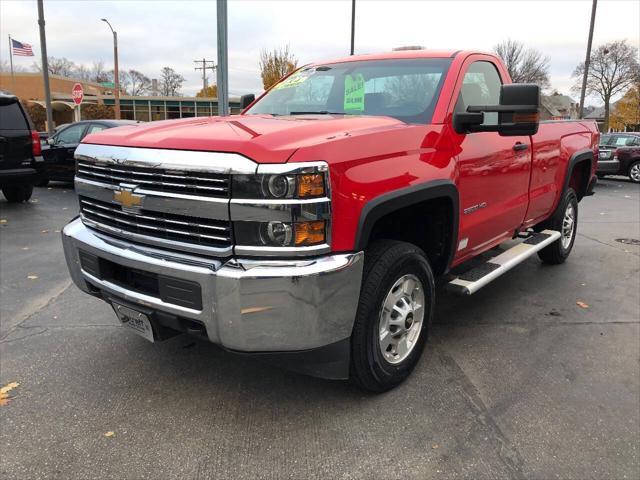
(77, 94)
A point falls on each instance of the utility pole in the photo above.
(353, 24)
(588, 59)
(116, 75)
(223, 67)
(206, 65)
(45, 68)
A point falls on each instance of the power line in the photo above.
(206, 65)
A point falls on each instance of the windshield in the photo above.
(406, 89)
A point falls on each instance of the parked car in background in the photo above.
(629, 159)
(58, 152)
(20, 150)
(620, 155)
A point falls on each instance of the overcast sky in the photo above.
(154, 34)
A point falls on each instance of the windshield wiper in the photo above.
(319, 112)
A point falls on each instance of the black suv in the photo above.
(20, 151)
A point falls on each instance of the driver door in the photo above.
(493, 171)
(59, 157)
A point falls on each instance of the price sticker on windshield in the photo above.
(354, 93)
(294, 80)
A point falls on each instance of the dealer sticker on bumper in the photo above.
(136, 321)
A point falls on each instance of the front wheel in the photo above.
(634, 172)
(394, 315)
(18, 193)
(565, 221)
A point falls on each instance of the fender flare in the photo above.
(386, 203)
(585, 155)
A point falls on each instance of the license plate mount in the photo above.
(138, 322)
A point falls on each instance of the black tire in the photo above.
(634, 167)
(18, 193)
(557, 253)
(43, 182)
(386, 262)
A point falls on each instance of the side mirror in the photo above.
(518, 112)
(51, 141)
(246, 100)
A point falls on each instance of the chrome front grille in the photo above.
(156, 179)
(160, 228)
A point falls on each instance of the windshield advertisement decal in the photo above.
(354, 93)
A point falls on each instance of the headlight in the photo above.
(282, 210)
(275, 186)
(281, 234)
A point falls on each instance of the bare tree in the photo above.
(83, 73)
(99, 74)
(6, 67)
(137, 83)
(170, 82)
(613, 69)
(58, 66)
(525, 65)
(276, 64)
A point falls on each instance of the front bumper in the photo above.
(252, 306)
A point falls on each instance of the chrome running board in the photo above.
(473, 280)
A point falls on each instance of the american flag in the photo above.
(21, 49)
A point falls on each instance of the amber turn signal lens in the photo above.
(309, 233)
(310, 185)
(526, 117)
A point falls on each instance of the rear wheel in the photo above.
(565, 221)
(394, 315)
(43, 182)
(634, 172)
(18, 193)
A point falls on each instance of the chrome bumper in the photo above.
(247, 305)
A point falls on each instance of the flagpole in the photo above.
(13, 80)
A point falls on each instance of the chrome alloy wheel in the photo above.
(634, 173)
(568, 225)
(401, 319)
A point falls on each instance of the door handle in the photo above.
(520, 146)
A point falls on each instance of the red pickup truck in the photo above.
(310, 230)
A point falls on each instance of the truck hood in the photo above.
(263, 138)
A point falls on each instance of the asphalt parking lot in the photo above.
(518, 381)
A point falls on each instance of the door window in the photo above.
(95, 129)
(70, 135)
(480, 86)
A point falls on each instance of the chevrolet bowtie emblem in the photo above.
(127, 198)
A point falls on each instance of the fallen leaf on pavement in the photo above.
(582, 304)
(109, 434)
(25, 248)
(3, 220)
(4, 392)
(434, 446)
(32, 277)
(44, 231)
